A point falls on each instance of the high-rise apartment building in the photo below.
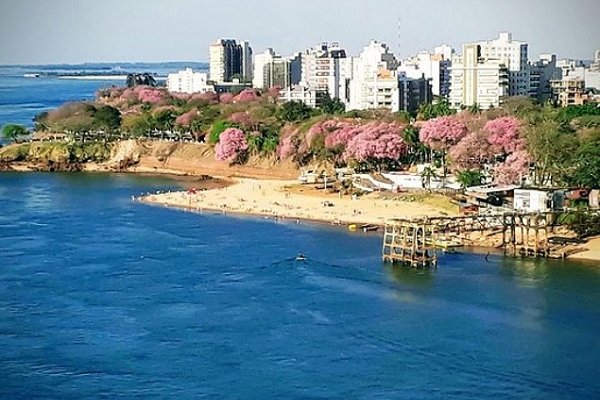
(476, 80)
(434, 66)
(514, 55)
(374, 82)
(229, 60)
(321, 68)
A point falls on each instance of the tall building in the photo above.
(413, 92)
(246, 69)
(476, 80)
(321, 68)
(230, 60)
(541, 72)
(188, 81)
(374, 81)
(271, 69)
(434, 66)
(514, 55)
(260, 60)
(277, 73)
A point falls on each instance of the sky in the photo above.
(75, 31)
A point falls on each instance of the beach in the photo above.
(284, 199)
(591, 250)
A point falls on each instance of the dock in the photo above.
(415, 242)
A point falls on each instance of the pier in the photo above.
(415, 242)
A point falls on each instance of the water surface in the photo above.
(104, 297)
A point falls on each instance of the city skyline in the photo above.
(66, 31)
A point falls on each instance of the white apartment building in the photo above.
(216, 57)
(514, 55)
(321, 68)
(476, 80)
(188, 81)
(374, 81)
(260, 60)
(310, 97)
(434, 66)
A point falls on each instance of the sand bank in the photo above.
(276, 198)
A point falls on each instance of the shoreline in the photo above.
(274, 203)
(283, 204)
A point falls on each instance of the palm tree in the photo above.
(426, 176)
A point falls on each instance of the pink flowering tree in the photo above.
(377, 144)
(443, 132)
(150, 95)
(226, 98)
(288, 144)
(243, 119)
(504, 132)
(204, 98)
(471, 152)
(232, 146)
(513, 168)
(186, 119)
(246, 96)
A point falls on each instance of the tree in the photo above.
(442, 132)
(552, 151)
(587, 173)
(433, 110)
(504, 132)
(232, 145)
(217, 129)
(294, 111)
(469, 177)
(107, 118)
(13, 132)
(377, 144)
(427, 175)
(332, 106)
(40, 121)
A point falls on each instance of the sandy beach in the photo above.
(591, 252)
(281, 199)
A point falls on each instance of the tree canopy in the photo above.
(14, 131)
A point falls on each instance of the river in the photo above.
(102, 297)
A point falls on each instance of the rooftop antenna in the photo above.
(399, 39)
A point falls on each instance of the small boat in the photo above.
(352, 227)
(31, 75)
(369, 228)
(300, 257)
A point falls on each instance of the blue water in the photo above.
(101, 297)
(22, 98)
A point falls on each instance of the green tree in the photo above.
(332, 106)
(107, 118)
(14, 131)
(294, 111)
(469, 177)
(552, 150)
(433, 110)
(216, 130)
(587, 173)
(165, 120)
(427, 175)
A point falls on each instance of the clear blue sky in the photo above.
(73, 31)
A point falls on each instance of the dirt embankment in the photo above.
(193, 159)
(141, 156)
